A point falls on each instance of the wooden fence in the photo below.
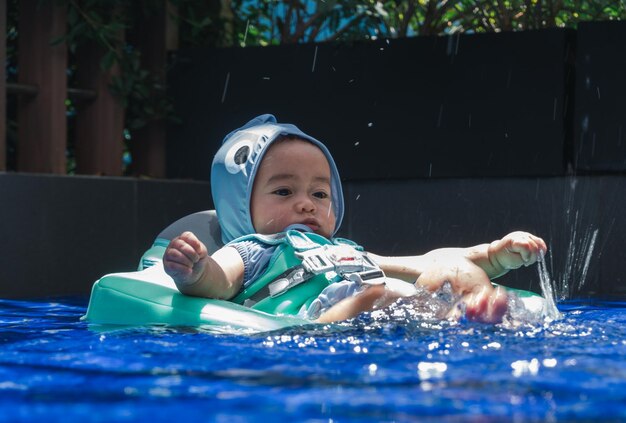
(42, 90)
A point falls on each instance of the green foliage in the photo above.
(284, 22)
(265, 22)
(103, 23)
(202, 22)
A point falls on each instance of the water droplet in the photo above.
(245, 35)
(549, 362)
(593, 144)
(434, 370)
(585, 123)
(314, 60)
(372, 368)
(525, 367)
(225, 86)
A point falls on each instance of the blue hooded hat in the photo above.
(235, 166)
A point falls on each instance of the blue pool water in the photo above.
(54, 367)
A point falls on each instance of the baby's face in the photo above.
(292, 185)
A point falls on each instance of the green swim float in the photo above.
(150, 297)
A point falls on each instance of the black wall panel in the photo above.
(60, 234)
(580, 218)
(457, 106)
(600, 118)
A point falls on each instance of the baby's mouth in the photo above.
(311, 224)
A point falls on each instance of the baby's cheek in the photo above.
(331, 216)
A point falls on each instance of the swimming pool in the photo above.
(53, 367)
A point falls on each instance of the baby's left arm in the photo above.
(497, 258)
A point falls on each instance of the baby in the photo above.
(273, 185)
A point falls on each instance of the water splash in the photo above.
(581, 239)
(579, 253)
(422, 306)
(446, 308)
(549, 312)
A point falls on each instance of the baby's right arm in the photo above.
(196, 273)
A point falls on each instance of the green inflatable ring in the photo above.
(150, 297)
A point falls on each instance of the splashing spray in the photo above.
(549, 312)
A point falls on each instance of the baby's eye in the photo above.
(282, 192)
(320, 194)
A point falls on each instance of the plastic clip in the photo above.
(369, 277)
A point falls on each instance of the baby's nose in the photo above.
(305, 205)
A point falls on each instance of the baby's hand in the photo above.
(468, 281)
(184, 258)
(517, 249)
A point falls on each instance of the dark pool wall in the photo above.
(62, 233)
(59, 234)
(580, 218)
